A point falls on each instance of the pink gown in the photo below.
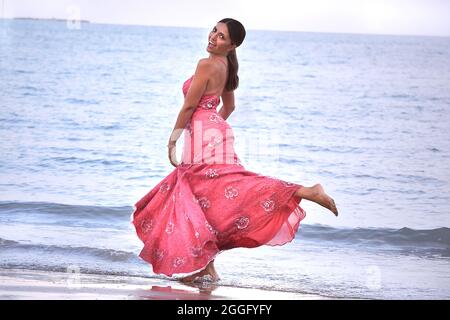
(210, 203)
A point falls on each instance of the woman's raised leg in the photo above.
(318, 195)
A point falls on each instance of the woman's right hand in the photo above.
(172, 148)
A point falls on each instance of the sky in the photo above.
(400, 17)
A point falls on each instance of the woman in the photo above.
(209, 202)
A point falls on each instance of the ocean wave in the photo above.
(432, 239)
(104, 254)
(65, 214)
(82, 161)
(64, 210)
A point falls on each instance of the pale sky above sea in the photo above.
(401, 17)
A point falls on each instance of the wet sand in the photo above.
(17, 284)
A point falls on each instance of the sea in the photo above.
(86, 111)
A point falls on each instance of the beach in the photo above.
(17, 284)
(86, 114)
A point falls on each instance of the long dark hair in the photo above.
(237, 34)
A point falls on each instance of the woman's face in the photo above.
(219, 39)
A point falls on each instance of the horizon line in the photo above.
(252, 29)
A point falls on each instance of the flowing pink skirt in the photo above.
(210, 203)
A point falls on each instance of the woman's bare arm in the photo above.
(193, 96)
(228, 104)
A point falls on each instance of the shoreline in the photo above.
(22, 284)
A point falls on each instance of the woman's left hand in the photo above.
(172, 148)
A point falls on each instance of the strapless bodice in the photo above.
(207, 101)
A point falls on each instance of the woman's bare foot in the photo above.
(208, 273)
(318, 195)
(323, 199)
(213, 271)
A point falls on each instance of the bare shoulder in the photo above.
(204, 66)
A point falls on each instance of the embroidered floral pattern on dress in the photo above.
(164, 187)
(208, 105)
(242, 222)
(213, 141)
(231, 192)
(211, 173)
(204, 203)
(215, 118)
(169, 227)
(158, 254)
(147, 225)
(268, 205)
(211, 229)
(178, 261)
(196, 251)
